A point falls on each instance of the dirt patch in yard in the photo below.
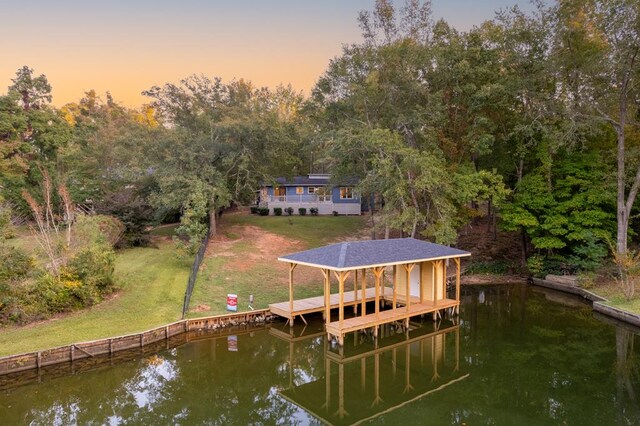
(201, 308)
(253, 246)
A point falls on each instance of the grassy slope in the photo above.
(266, 279)
(152, 283)
(613, 293)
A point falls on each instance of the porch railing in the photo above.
(299, 199)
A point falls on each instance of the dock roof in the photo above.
(372, 253)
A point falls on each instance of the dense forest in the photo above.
(530, 119)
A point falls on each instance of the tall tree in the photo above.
(598, 49)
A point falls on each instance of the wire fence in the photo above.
(193, 275)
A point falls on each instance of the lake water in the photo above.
(517, 355)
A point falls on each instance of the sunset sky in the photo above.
(128, 46)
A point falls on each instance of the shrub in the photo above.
(255, 209)
(587, 279)
(15, 263)
(277, 211)
(263, 211)
(289, 210)
(535, 264)
(28, 294)
(302, 211)
(335, 213)
(313, 211)
(493, 267)
(94, 267)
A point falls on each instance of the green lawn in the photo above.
(165, 230)
(632, 306)
(152, 282)
(612, 291)
(245, 269)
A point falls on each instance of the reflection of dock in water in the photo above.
(365, 380)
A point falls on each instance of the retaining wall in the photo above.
(597, 305)
(112, 345)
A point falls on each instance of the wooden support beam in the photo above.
(408, 268)
(363, 309)
(342, 276)
(395, 284)
(376, 379)
(433, 283)
(457, 260)
(421, 283)
(407, 371)
(355, 293)
(341, 410)
(292, 266)
(327, 389)
(378, 273)
(457, 367)
(327, 295)
(444, 278)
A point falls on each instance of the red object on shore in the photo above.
(232, 302)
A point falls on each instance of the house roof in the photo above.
(372, 253)
(310, 180)
(302, 180)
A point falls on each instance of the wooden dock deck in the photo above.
(316, 304)
(339, 329)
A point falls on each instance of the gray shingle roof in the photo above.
(306, 181)
(356, 254)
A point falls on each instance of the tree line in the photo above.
(530, 118)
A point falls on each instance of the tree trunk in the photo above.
(523, 240)
(372, 204)
(520, 169)
(213, 219)
(621, 240)
(495, 224)
(489, 213)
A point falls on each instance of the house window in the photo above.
(299, 190)
(323, 194)
(279, 193)
(346, 193)
(312, 190)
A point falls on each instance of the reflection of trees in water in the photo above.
(108, 398)
(198, 383)
(546, 358)
(627, 373)
(526, 356)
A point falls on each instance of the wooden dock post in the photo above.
(408, 268)
(378, 273)
(327, 296)
(292, 266)
(355, 293)
(457, 260)
(364, 297)
(395, 284)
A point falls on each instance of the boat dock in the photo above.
(419, 283)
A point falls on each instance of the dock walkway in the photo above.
(316, 304)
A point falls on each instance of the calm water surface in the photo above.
(518, 355)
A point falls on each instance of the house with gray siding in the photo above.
(313, 190)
